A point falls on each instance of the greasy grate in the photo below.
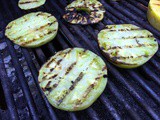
(130, 94)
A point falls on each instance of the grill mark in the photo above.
(132, 37)
(128, 57)
(114, 59)
(74, 83)
(130, 46)
(28, 2)
(8, 27)
(131, 29)
(47, 86)
(88, 90)
(50, 62)
(70, 68)
(48, 24)
(52, 77)
(104, 68)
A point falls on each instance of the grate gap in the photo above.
(3, 104)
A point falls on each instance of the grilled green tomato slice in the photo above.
(127, 45)
(30, 4)
(84, 12)
(32, 30)
(73, 79)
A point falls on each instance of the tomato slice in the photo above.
(84, 12)
(32, 30)
(127, 45)
(73, 79)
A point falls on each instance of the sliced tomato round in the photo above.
(33, 29)
(73, 79)
(127, 45)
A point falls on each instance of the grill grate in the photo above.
(130, 94)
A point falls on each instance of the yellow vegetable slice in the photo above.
(32, 30)
(84, 12)
(127, 45)
(30, 4)
(153, 13)
(73, 79)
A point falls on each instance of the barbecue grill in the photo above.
(130, 94)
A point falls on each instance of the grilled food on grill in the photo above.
(32, 30)
(73, 79)
(84, 12)
(30, 4)
(153, 13)
(126, 45)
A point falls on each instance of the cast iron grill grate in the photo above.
(130, 94)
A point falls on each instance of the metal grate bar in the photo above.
(7, 92)
(145, 86)
(21, 75)
(34, 72)
(110, 107)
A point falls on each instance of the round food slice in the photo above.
(32, 30)
(127, 45)
(84, 12)
(73, 79)
(153, 13)
(30, 4)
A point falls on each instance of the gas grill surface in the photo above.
(130, 94)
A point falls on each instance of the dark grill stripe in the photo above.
(50, 62)
(130, 46)
(74, 83)
(48, 84)
(42, 27)
(88, 90)
(120, 57)
(113, 30)
(132, 37)
(28, 2)
(104, 68)
(70, 68)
